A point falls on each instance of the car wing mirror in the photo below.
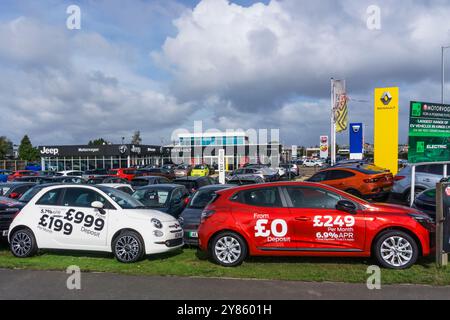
(97, 205)
(346, 206)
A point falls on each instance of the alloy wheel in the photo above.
(127, 248)
(396, 251)
(21, 244)
(228, 250)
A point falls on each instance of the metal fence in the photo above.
(13, 164)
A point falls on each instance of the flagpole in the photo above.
(333, 126)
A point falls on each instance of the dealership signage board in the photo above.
(294, 152)
(356, 141)
(386, 103)
(324, 147)
(222, 166)
(429, 132)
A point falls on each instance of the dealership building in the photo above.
(196, 148)
(82, 157)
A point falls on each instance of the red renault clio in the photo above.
(308, 219)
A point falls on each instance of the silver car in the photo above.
(426, 178)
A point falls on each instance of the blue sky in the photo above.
(159, 65)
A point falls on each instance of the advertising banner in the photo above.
(324, 147)
(356, 141)
(386, 102)
(429, 132)
(340, 108)
(221, 165)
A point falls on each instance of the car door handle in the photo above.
(302, 219)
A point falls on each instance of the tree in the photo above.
(26, 150)
(6, 148)
(136, 139)
(98, 142)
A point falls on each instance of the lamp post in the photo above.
(443, 73)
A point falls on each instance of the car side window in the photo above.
(177, 195)
(125, 189)
(81, 197)
(318, 177)
(339, 174)
(266, 197)
(313, 198)
(50, 198)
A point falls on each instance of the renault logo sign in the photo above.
(386, 98)
(123, 149)
(356, 128)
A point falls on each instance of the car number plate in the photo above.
(179, 235)
(193, 234)
(5, 233)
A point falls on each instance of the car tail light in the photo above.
(398, 178)
(186, 201)
(373, 180)
(206, 214)
(14, 195)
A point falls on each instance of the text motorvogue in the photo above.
(88, 150)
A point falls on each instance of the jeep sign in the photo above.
(50, 151)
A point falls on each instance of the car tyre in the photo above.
(23, 244)
(407, 195)
(228, 249)
(396, 249)
(128, 247)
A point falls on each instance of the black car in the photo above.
(191, 215)
(167, 198)
(192, 184)
(8, 210)
(34, 179)
(148, 180)
(14, 190)
(426, 202)
(106, 180)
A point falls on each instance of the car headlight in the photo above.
(157, 224)
(426, 221)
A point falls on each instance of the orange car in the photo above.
(361, 182)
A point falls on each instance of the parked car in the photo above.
(200, 170)
(106, 179)
(309, 163)
(148, 180)
(34, 179)
(167, 198)
(308, 219)
(426, 202)
(72, 173)
(192, 184)
(124, 187)
(47, 173)
(245, 180)
(21, 173)
(359, 182)
(4, 174)
(426, 177)
(14, 190)
(92, 218)
(90, 174)
(67, 180)
(291, 168)
(160, 172)
(30, 193)
(267, 173)
(244, 172)
(191, 215)
(9, 208)
(128, 174)
(183, 170)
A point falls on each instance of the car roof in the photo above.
(216, 186)
(114, 185)
(162, 186)
(148, 178)
(17, 183)
(189, 179)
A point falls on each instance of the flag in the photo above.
(340, 108)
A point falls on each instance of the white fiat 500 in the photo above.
(92, 218)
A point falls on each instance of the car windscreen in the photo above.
(153, 198)
(124, 200)
(199, 167)
(202, 198)
(140, 182)
(30, 193)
